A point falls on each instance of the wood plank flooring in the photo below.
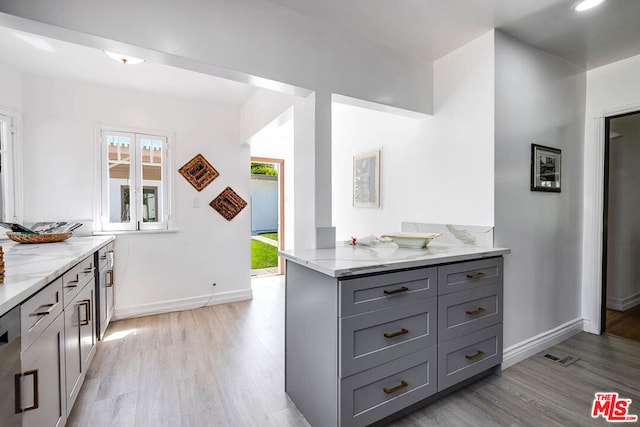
(624, 323)
(224, 366)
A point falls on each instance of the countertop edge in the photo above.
(6, 304)
(395, 265)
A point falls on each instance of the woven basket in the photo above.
(38, 238)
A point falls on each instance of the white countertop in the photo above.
(347, 260)
(29, 267)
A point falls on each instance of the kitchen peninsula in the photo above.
(371, 332)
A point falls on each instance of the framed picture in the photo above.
(546, 168)
(366, 180)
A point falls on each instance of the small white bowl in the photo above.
(412, 240)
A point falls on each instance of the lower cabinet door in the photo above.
(104, 309)
(42, 394)
(371, 395)
(80, 340)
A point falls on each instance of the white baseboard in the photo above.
(622, 304)
(527, 348)
(181, 304)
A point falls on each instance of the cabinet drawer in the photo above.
(376, 393)
(76, 278)
(386, 290)
(466, 356)
(39, 311)
(105, 256)
(461, 313)
(467, 275)
(374, 338)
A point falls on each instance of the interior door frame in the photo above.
(281, 219)
(605, 213)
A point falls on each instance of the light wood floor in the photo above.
(224, 366)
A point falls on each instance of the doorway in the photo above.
(621, 226)
(267, 215)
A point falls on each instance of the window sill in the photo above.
(116, 232)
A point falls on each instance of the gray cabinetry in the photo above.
(80, 335)
(40, 385)
(104, 288)
(398, 337)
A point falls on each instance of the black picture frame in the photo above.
(546, 168)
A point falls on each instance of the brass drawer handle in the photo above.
(88, 270)
(399, 387)
(476, 311)
(395, 291)
(43, 310)
(476, 355)
(395, 334)
(110, 282)
(476, 276)
(18, 402)
(104, 256)
(87, 312)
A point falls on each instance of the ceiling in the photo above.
(424, 29)
(55, 58)
(429, 29)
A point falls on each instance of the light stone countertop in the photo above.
(346, 260)
(30, 267)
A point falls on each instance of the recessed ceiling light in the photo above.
(125, 59)
(586, 5)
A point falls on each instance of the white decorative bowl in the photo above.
(412, 240)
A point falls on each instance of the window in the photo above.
(8, 190)
(135, 181)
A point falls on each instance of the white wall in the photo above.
(10, 88)
(404, 146)
(611, 89)
(433, 170)
(154, 272)
(461, 165)
(539, 99)
(623, 229)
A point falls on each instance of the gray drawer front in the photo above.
(386, 290)
(76, 278)
(464, 312)
(363, 398)
(40, 311)
(408, 328)
(469, 355)
(467, 275)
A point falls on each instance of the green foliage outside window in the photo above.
(263, 169)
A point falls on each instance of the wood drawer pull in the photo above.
(18, 392)
(476, 275)
(395, 291)
(476, 355)
(476, 311)
(43, 310)
(395, 334)
(399, 387)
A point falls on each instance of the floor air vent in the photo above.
(562, 358)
